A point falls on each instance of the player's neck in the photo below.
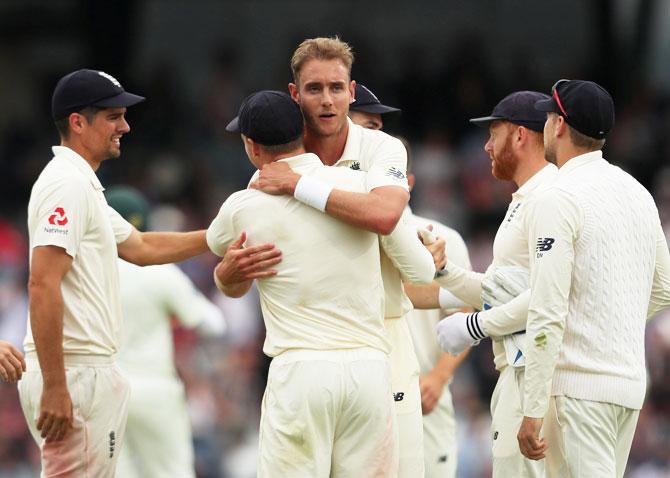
(81, 151)
(529, 168)
(328, 148)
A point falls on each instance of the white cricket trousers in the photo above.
(407, 397)
(99, 394)
(506, 417)
(587, 439)
(328, 413)
(158, 440)
(439, 439)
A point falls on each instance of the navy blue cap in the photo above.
(83, 88)
(365, 101)
(269, 118)
(585, 105)
(518, 108)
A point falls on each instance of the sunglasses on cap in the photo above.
(554, 94)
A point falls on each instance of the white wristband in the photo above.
(448, 300)
(312, 192)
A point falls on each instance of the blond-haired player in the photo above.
(324, 90)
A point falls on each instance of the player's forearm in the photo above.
(409, 255)
(423, 296)
(463, 283)
(169, 247)
(507, 318)
(46, 322)
(371, 211)
(447, 364)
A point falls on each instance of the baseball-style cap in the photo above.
(130, 204)
(365, 101)
(83, 88)
(518, 108)
(585, 105)
(269, 118)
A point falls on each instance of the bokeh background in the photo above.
(441, 61)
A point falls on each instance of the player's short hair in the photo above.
(277, 149)
(536, 137)
(585, 142)
(63, 124)
(321, 48)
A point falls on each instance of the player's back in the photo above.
(327, 293)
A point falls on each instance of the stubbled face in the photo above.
(499, 149)
(550, 139)
(324, 92)
(102, 136)
(367, 120)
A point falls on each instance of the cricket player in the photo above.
(73, 395)
(517, 154)
(600, 267)
(324, 90)
(158, 440)
(436, 367)
(328, 406)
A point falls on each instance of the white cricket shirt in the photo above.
(328, 292)
(151, 297)
(597, 256)
(68, 209)
(510, 248)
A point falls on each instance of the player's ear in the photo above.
(293, 90)
(76, 122)
(560, 126)
(352, 90)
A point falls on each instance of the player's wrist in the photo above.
(447, 300)
(312, 192)
(475, 326)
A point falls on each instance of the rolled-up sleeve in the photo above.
(554, 223)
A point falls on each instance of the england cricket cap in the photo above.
(269, 118)
(83, 88)
(365, 101)
(517, 108)
(585, 105)
(130, 204)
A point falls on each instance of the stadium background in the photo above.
(440, 61)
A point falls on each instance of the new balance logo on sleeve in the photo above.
(395, 172)
(544, 244)
(398, 397)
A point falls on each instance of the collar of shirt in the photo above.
(352, 147)
(302, 161)
(581, 160)
(79, 163)
(534, 182)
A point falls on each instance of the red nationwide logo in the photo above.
(58, 217)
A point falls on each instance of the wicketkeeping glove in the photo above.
(504, 284)
(459, 331)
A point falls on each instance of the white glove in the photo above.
(503, 285)
(459, 331)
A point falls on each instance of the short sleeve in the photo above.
(221, 233)
(120, 226)
(61, 216)
(388, 165)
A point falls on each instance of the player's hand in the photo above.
(12, 364)
(55, 420)
(459, 331)
(530, 443)
(240, 264)
(504, 284)
(436, 246)
(431, 386)
(276, 178)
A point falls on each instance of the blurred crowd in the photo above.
(180, 157)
